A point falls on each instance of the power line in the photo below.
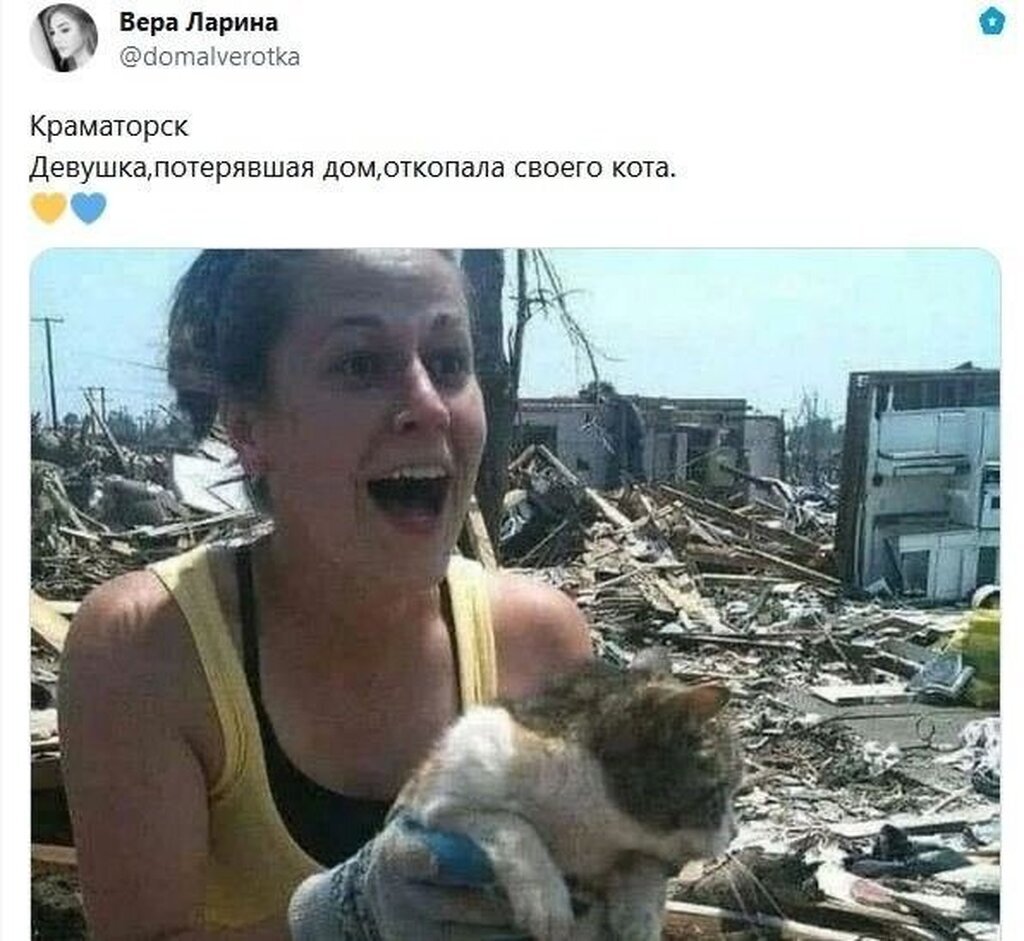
(153, 367)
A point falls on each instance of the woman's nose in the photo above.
(421, 404)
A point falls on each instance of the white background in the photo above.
(789, 124)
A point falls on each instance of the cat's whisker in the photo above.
(594, 779)
(740, 901)
(743, 910)
(760, 885)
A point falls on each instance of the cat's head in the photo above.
(670, 759)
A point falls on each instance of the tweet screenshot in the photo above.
(524, 471)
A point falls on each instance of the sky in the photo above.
(760, 324)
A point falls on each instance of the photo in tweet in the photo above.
(313, 512)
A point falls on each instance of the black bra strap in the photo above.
(247, 613)
(250, 638)
(327, 825)
(448, 613)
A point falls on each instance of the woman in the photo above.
(72, 34)
(234, 719)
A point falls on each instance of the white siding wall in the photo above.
(576, 440)
(972, 434)
(761, 439)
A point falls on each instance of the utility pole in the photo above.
(103, 398)
(49, 364)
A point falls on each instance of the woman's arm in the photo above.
(139, 741)
(539, 633)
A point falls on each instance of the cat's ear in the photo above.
(654, 660)
(705, 701)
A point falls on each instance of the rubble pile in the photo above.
(840, 744)
(100, 509)
(870, 805)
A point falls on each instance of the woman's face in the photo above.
(371, 437)
(66, 35)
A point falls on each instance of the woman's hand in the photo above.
(409, 882)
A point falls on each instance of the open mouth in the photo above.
(410, 494)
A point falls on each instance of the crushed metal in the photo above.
(742, 594)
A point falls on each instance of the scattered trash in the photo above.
(868, 809)
(881, 758)
(942, 678)
(981, 756)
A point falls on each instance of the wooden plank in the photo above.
(744, 524)
(979, 879)
(54, 856)
(690, 603)
(182, 528)
(67, 608)
(885, 923)
(109, 435)
(48, 627)
(618, 579)
(522, 459)
(727, 578)
(678, 913)
(732, 640)
(666, 512)
(811, 575)
(858, 695)
(856, 895)
(121, 547)
(609, 512)
(914, 823)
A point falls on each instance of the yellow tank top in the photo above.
(253, 864)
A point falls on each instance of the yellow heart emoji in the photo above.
(49, 206)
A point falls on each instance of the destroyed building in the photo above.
(870, 804)
(919, 504)
(648, 438)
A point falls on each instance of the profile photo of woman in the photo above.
(71, 35)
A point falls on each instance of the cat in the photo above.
(612, 778)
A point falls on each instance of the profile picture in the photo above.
(64, 37)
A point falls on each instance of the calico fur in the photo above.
(613, 778)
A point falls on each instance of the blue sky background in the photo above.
(758, 324)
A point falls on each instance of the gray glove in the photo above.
(409, 883)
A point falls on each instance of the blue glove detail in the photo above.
(461, 862)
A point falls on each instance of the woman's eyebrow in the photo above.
(356, 320)
(442, 323)
(446, 321)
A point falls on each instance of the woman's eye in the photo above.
(360, 368)
(449, 367)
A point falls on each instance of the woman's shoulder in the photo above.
(138, 611)
(539, 631)
(125, 609)
(129, 662)
(129, 633)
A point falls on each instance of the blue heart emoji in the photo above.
(88, 206)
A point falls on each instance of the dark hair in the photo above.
(229, 310)
(85, 23)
